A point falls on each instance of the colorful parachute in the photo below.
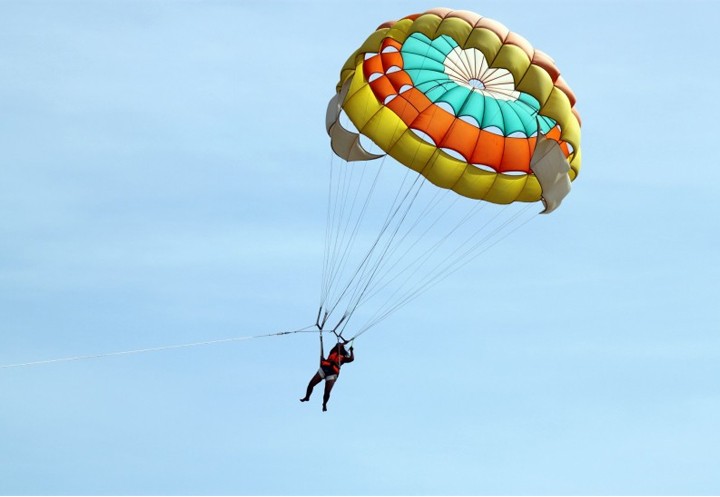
(475, 110)
(468, 104)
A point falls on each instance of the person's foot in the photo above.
(324, 408)
(304, 399)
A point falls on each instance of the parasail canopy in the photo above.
(463, 101)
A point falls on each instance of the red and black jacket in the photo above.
(336, 359)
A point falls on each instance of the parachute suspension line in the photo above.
(326, 249)
(336, 226)
(329, 225)
(337, 269)
(392, 212)
(362, 269)
(420, 216)
(437, 219)
(341, 265)
(382, 269)
(419, 261)
(401, 292)
(368, 269)
(331, 270)
(444, 269)
(336, 223)
(453, 267)
(338, 213)
(365, 265)
(428, 208)
(362, 266)
(306, 329)
(439, 273)
(330, 274)
(345, 223)
(429, 251)
(370, 272)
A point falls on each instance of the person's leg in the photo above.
(313, 381)
(326, 396)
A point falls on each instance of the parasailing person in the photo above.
(329, 371)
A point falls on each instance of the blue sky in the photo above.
(163, 178)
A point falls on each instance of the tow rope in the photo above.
(306, 329)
